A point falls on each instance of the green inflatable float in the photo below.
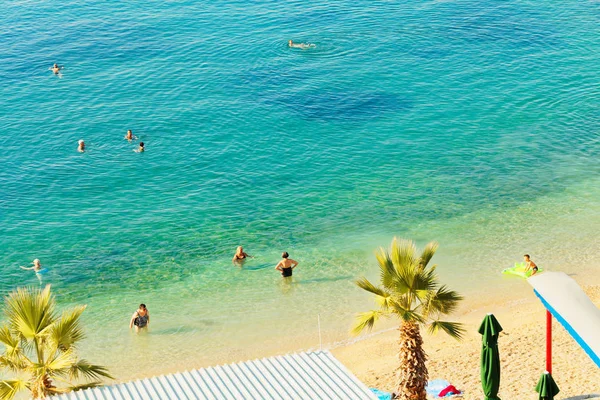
(520, 270)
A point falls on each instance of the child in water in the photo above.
(529, 264)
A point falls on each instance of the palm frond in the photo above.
(14, 358)
(366, 320)
(83, 369)
(29, 311)
(443, 301)
(402, 261)
(403, 252)
(424, 282)
(60, 363)
(407, 314)
(384, 302)
(387, 271)
(66, 331)
(403, 255)
(428, 253)
(10, 342)
(453, 329)
(365, 284)
(382, 296)
(10, 387)
(16, 363)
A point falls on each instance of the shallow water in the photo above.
(472, 123)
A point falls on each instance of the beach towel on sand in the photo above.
(381, 395)
(436, 387)
(449, 391)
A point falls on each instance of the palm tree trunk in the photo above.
(48, 383)
(412, 374)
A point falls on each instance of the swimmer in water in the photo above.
(140, 149)
(81, 147)
(240, 255)
(37, 268)
(286, 265)
(300, 45)
(129, 136)
(56, 69)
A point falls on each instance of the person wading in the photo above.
(140, 319)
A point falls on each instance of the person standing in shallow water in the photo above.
(286, 265)
(240, 255)
(37, 268)
(81, 146)
(140, 319)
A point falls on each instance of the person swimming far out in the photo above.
(141, 148)
(286, 265)
(140, 319)
(530, 265)
(56, 69)
(81, 146)
(129, 135)
(300, 45)
(240, 255)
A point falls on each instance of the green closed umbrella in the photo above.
(490, 357)
(546, 387)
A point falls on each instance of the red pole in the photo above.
(548, 341)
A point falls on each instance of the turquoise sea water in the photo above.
(474, 123)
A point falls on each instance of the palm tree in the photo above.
(40, 347)
(410, 290)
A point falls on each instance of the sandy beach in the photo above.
(522, 352)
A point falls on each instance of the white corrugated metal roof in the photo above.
(568, 303)
(316, 375)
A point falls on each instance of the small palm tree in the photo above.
(40, 347)
(410, 290)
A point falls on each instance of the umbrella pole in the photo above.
(548, 341)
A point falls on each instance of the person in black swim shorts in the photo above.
(529, 264)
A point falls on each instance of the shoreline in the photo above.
(519, 311)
